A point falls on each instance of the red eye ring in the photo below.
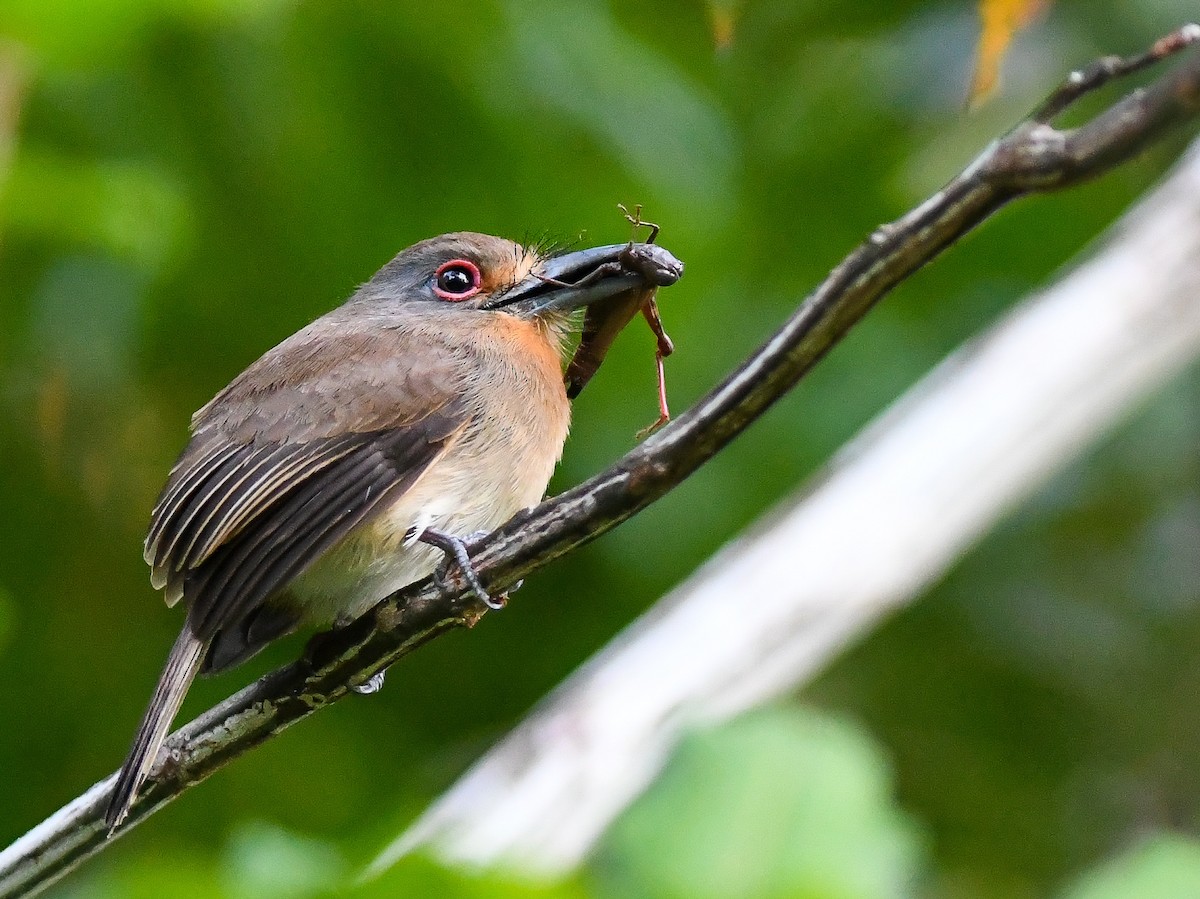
(457, 280)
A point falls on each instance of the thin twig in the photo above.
(1102, 71)
(1033, 157)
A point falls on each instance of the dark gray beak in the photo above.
(574, 280)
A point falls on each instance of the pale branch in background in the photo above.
(894, 510)
(1033, 157)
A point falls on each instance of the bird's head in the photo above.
(472, 271)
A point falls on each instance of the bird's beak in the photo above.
(574, 280)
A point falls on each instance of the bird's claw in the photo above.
(455, 549)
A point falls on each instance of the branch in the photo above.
(1034, 157)
(895, 509)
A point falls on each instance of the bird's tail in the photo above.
(178, 674)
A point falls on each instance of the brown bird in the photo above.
(354, 456)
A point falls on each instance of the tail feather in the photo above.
(182, 664)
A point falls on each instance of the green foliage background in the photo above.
(189, 181)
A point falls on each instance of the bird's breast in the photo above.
(517, 421)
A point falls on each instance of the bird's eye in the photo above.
(458, 279)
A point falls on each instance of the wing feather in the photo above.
(274, 556)
(256, 519)
(260, 476)
(254, 497)
(314, 438)
(185, 477)
(183, 513)
(223, 514)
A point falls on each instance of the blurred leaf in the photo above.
(783, 802)
(416, 876)
(68, 34)
(131, 209)
(263, 861)
(161, 875)
(1001, 20)
(722, 17)
(1164, 867)
(673, 135)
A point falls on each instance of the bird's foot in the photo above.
(455, 549)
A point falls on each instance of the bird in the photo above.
(369, 446)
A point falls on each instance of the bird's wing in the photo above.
(314, 438)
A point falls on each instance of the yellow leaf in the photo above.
(1000, 21)
(722, 18)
